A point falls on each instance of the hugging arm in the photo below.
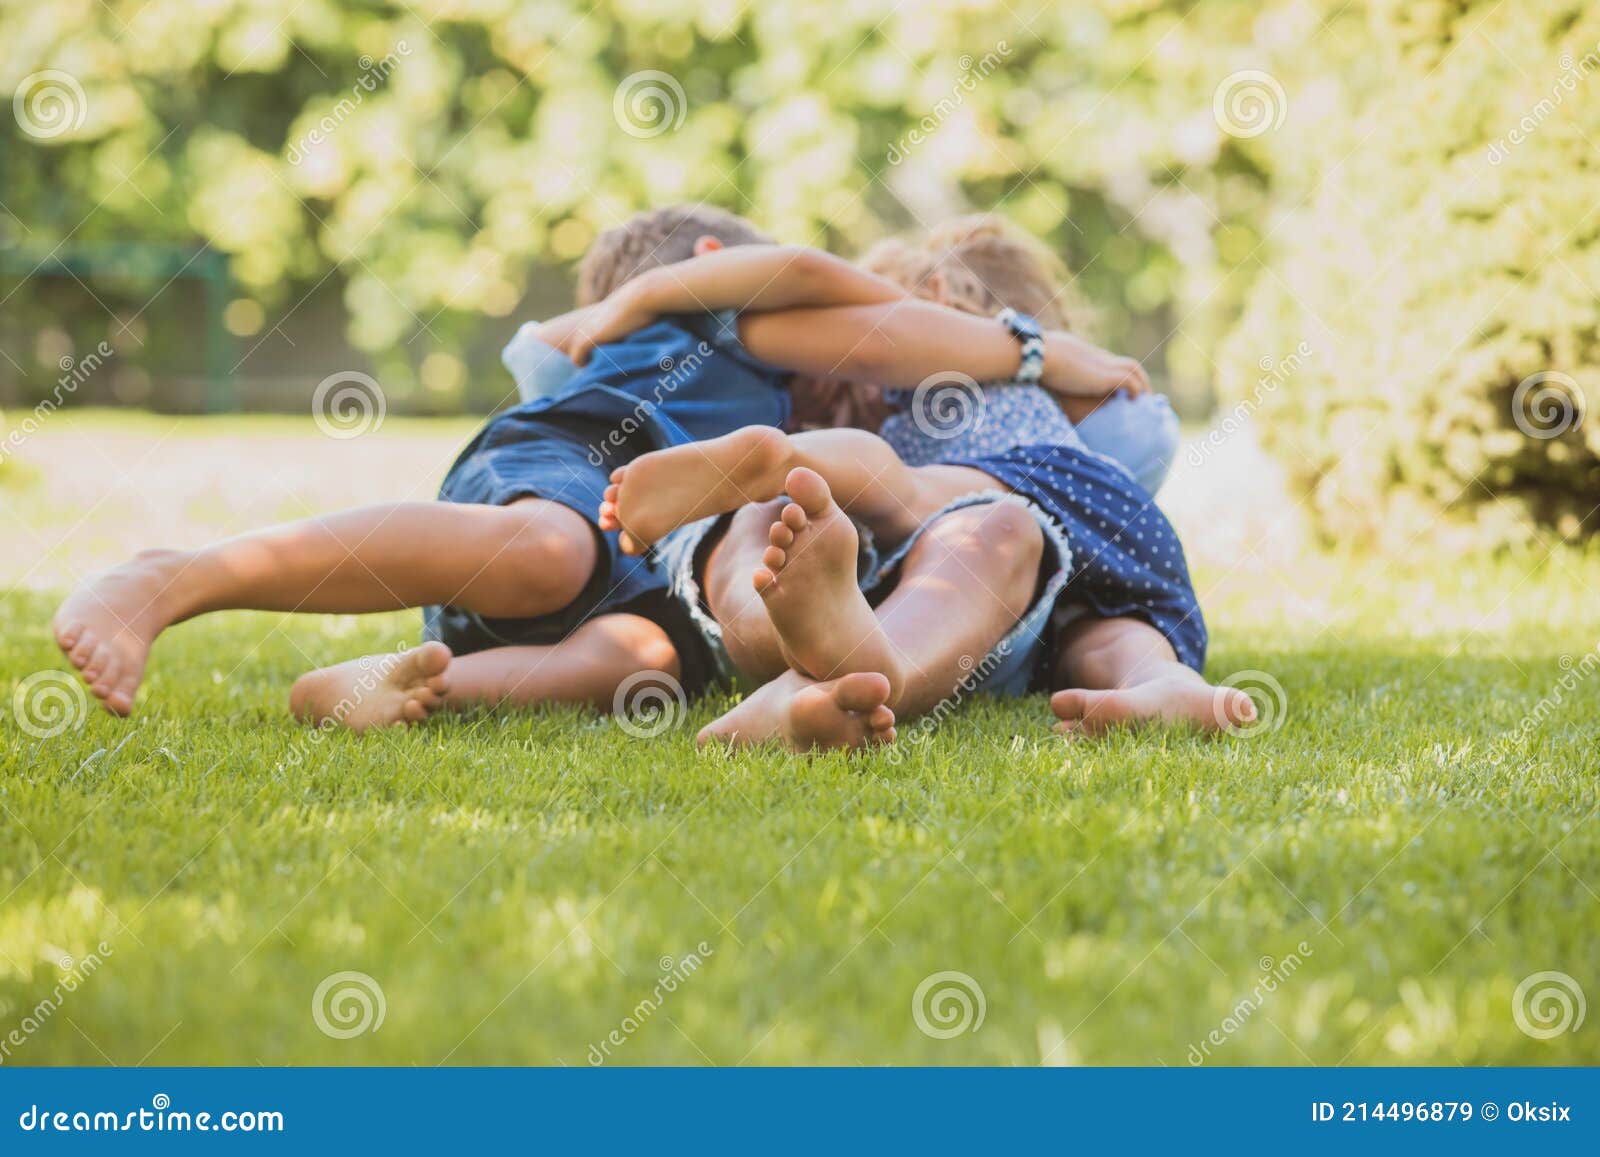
(901, 343)
(745, 277)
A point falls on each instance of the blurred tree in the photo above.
(1437, 254)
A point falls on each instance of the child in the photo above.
(512, 561)
(1134, 648)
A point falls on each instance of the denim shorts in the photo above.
(1017, 664)
(553, 460)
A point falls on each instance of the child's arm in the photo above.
(901, 344)
(744, 277)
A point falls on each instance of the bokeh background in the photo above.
(1365, 228)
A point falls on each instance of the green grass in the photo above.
(512, 882)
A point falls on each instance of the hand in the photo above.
(576, 333)
(1075, 367)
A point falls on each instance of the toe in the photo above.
(780, 536)
(98, 660)
(439, 685)
(864, 691)
(794, 517)
(120, 701)
(774, 559)
(629, 544)
(882, 718)
(762, 579)
(807, 489)
(67, 636)
(79, 655)
(431, 659)
(413, 711)
(618, 474)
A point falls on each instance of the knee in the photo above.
(541, 564)
(1009, 538)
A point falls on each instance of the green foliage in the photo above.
(428, 159)
(1445, 253)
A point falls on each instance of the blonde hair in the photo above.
(655, 238)
(978, 264)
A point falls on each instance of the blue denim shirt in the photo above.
(681, 379)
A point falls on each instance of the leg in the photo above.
(669, 488)
(964, 584)
(1123, 671)
(588, 667)
(525, 559)
(747, 630)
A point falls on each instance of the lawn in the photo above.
(1367, 883)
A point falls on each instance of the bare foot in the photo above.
(375, 691)
(107, 626)
(824, 624)
(850, 712)
(665, 489)
(1181, 697)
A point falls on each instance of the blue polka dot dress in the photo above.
(1126, 558)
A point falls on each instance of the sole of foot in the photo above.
(846, 713)
(393, 690)
(1176, 700)
(808, 583)
(107, 626)
(661, 491)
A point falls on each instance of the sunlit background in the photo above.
(1357, 227)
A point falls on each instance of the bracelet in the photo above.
(1026, 330)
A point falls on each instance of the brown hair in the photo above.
(981, 265)
(655, 238)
